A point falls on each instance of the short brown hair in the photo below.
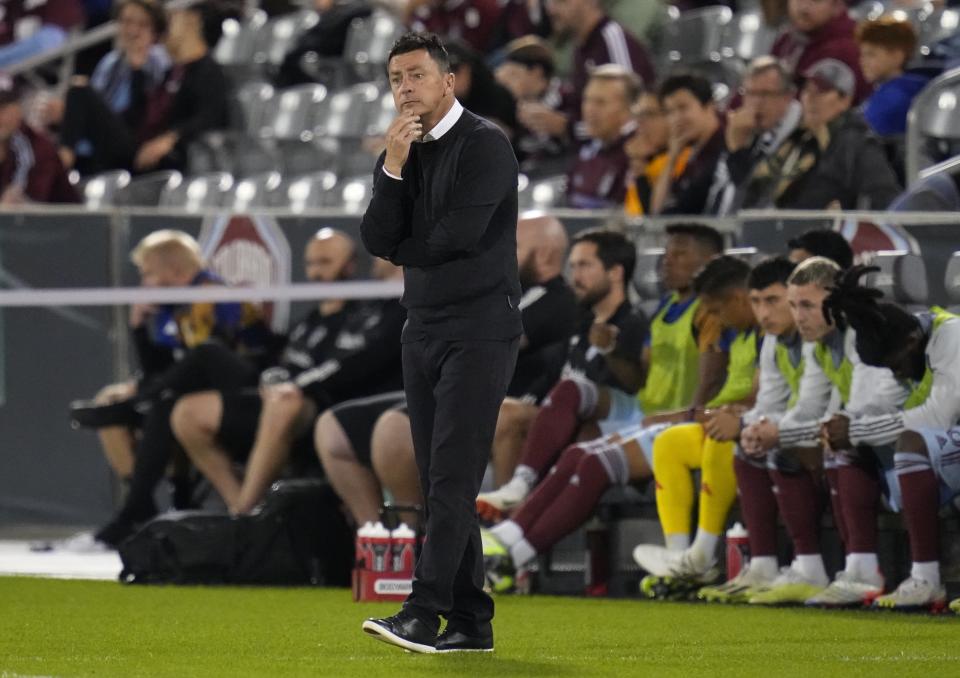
(889, 32)
(632, 84)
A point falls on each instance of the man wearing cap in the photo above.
(820, 29)
(30, 169)
(832, 160)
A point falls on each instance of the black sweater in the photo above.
(452, 224)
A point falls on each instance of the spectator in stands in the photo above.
(593, 397)
(193, 97)
(327, 38)
(339, 351)
(832, 160)
(599, 40)
(820, 29)
(647, 153)
(528, 72)
(181, 349)
(597, 178)
(100, 116)
(474, 23)
(30, 169)
(522, 18)
(768, 116)
(478, 91)
(692, 119)
(56, 19)
(922, 350)
(887, 45)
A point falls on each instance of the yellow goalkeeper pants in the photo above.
(679, 450)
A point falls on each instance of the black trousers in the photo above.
(454, 391)
(87, 117)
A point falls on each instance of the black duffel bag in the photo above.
(299, 537)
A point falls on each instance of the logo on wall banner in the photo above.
(249, 251)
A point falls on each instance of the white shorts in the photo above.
(624, 413)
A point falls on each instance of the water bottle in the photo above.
(738, 550)
(363, 556)
(380, 548)
(403, 542)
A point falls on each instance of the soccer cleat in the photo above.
(789, 588)
(494, 506)
(660, 561)
(738, 590)
(914, 594)
(500, 575)
(955, 605)
(847, 591)
(675, 588)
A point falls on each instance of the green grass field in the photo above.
(71, 628)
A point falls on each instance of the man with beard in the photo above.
(340, 350)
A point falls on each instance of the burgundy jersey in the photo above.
(471, 21)
(66, 14)
(608, 43)
(32, 164)
(598, 176)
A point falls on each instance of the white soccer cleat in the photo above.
(914, 594)
(790, 587)
(493, 506)
(847, 591)
(660, 561)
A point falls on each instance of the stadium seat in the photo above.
(253, 109)
(547, 193)
(298, 157)
(346, 113)
(697, 35)
(934, 116)
(751, 255)
(381, 116)
(255, 191)
(197, 193)
(747, 37)
(310, 192)
(145, 190)
(951, 281)
(101, 191)
(354, 193)
(293, 112)
(867, 10)
(234, 152)
(235, 49)
(277, 36)
(368, 44)
(902, 277)
(646, 275)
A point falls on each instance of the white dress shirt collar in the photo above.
(446, 122)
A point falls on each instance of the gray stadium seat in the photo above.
(354, 193)
(310, 191)
(277, 36)
(751, 255)
(145, 190)
(547, 193)
(197, 193)
(253, 99)
(346, 113)
(902, 277)
(381, 116)
(646, 274)
(294, 111)
(230, 151)
(101, 190)
(951, 280)
(255, 191)
(368, 44)
(937, 25)
(298, 157)
(747, 36)
(934, 115)
(697, 35)
(235, 49)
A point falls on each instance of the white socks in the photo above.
(526, 475)
(677, 542)
(704, 548)
(929, 572)
(812, 569)
(507, 533)
(522, 553)
(865, 567)
(764, 566)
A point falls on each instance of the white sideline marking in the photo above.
(16, 558)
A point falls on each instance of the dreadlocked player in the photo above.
(923, 351)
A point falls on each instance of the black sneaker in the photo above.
(473, 640)
(403, 630)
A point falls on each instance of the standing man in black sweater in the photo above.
(444, 207)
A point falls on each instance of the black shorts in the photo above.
(238, 429)
(357, 419)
